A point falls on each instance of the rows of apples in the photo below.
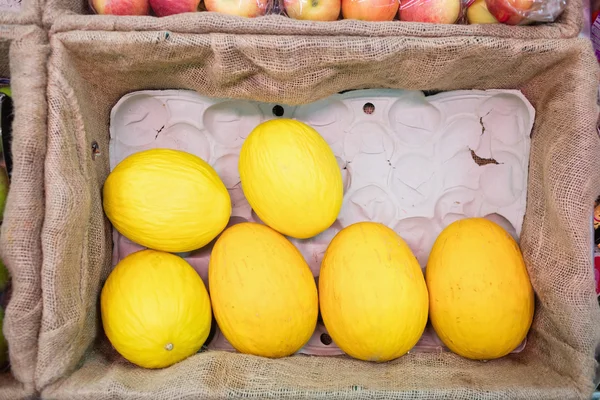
(432, 11)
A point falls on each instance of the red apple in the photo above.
(370, 10)
(432, 11)
(314, 10)
(510, 12)
(164, 8)
(242, 8)
(121, 7)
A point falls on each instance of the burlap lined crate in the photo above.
(23, 55)
(89, 71)
(68, 15)
(29, 13)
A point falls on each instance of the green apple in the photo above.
(4, 185)
(3, 344)
(4, 277)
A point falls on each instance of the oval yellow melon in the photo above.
(166, 200)
(155, 309)
(481, 299)
(263, 294)
(291, 178)
(372, 293)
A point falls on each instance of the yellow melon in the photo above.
(263, 294)
(372, 293)
(291, 178)
(481, 299)
(166, 200)
(155, 309)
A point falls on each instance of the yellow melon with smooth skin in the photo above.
(263, 294)
(372, 293)
(166, 200)
(291, 178)
(155, 309)
(481, 299)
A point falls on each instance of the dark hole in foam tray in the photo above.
(326, 339)
(278, 111)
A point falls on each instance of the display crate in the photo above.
(90, 70)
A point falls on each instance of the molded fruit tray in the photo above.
(10, 6)
(413, 162)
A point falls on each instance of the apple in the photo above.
(370, 10)
(313, 10)
(510, 12)
(242, 8)
(4, 188)
(477, 13)
(121, 7)
(4, 277)
(3, 344)
(5, 296)
(432, 11)
(164, 8)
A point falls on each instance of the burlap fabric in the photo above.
(30, 12)
(89, 71)
(11, 389)
(27, 49)
(65, 15)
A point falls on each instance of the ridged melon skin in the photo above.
(166, 200)
(481, 298)
(291, 178)
(373, 297)
(263, 294)
(155, 309)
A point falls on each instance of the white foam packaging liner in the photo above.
(413, 162)
(10, 5)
